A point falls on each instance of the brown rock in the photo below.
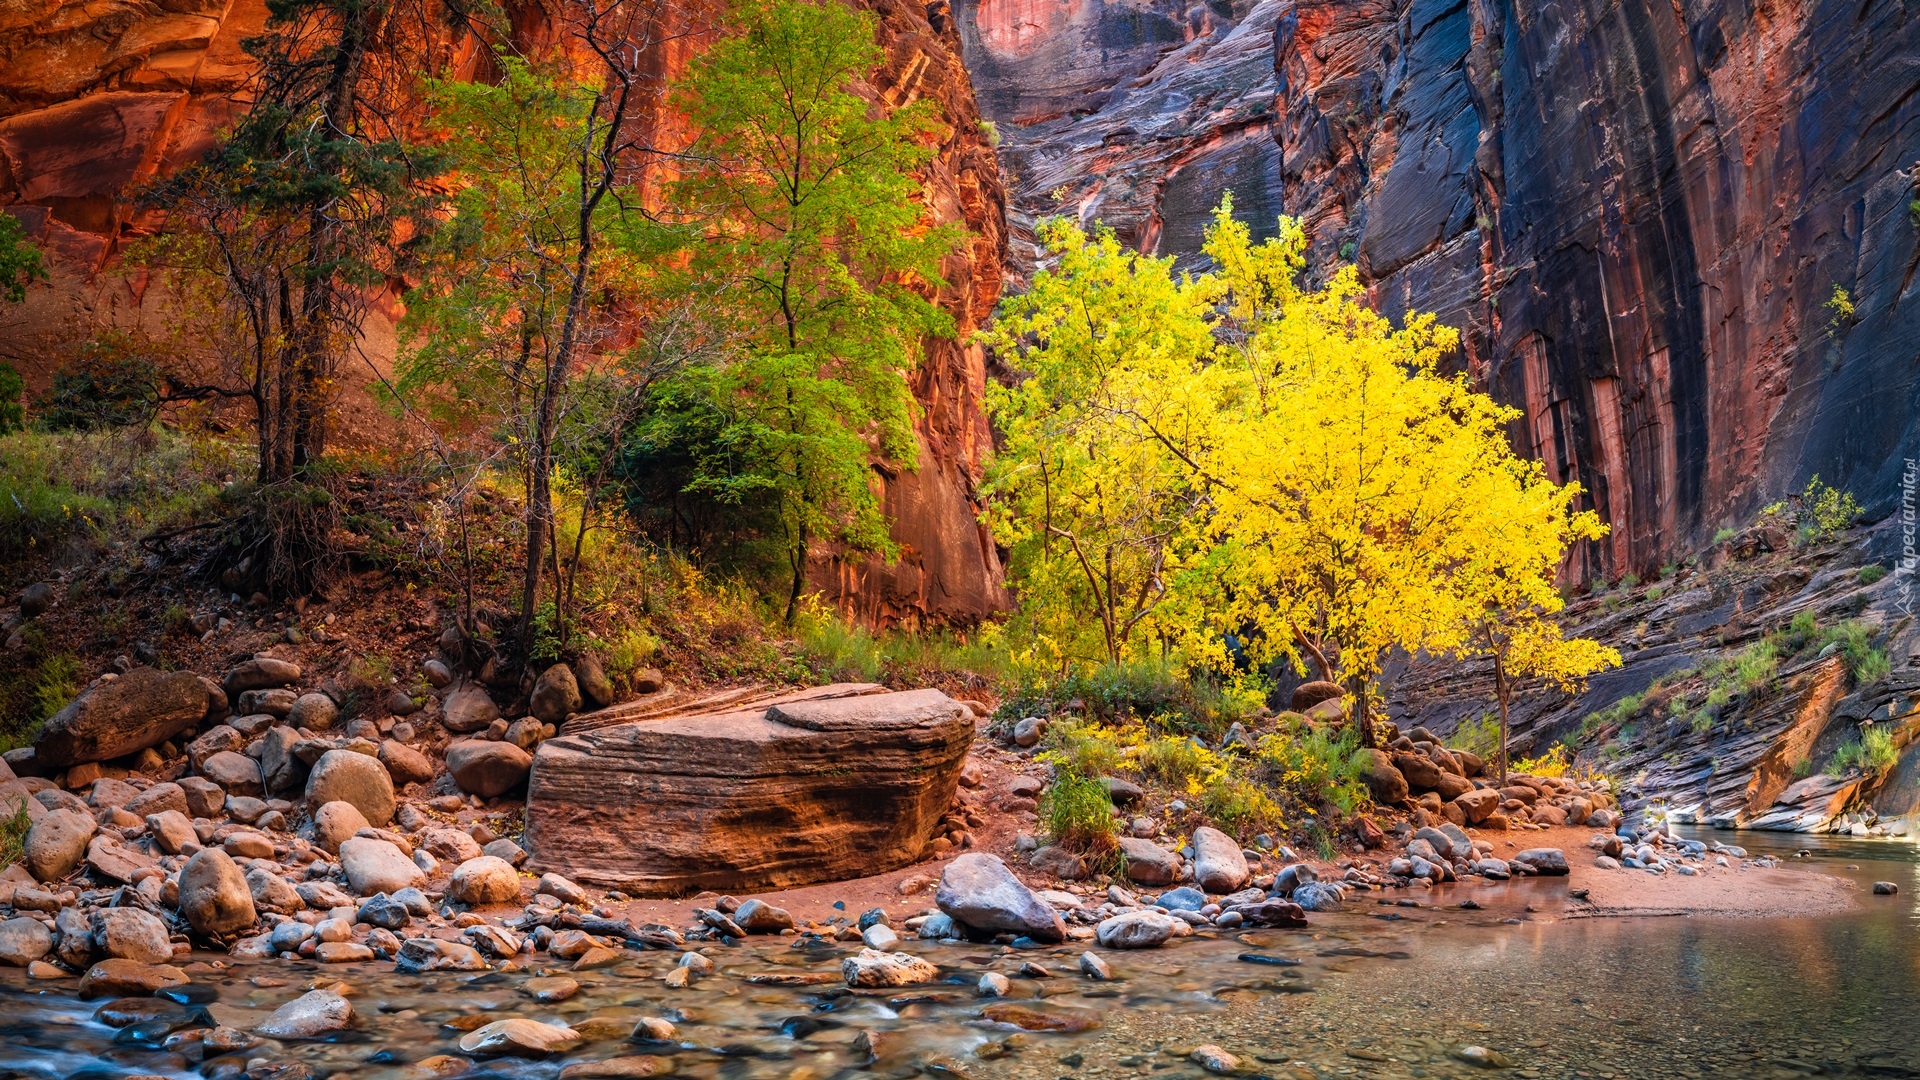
(353, 777)
(237, 774)
(1421, 773)
(260, 673)
(129, 978)
(405, 764)
(142, 708)
(205, 799)
(113, 859)
(487, 768)
(817, 787)
(596, 690)
(1309, 694)
(158, 799)
(555, 696)
(1385, 784)
(1477, 804)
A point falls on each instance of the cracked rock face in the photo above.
(808, 787)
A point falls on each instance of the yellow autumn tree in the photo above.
(1336, 489)
(1091, 509)
(1508, 598)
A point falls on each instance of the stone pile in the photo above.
(1416, 772)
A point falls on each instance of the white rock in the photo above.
(375, 866)
(308, 1016)
(520, 1037)
(872, 968)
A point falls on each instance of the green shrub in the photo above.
(55, 485)
(1316, 765)
(1725, 533)
(1078, 813)
(13, 831)
(1631, 581)
(59, 683)
(1174, 759)
(1871, 573)
(1153, 690)
(1656, 592)
(1871, 752)
(1824, 510)
(836, 650)
(1853, 641)
(1618, 712)
(1237, 805)
(1479, 737)
(1082, 747)
(633, 648)
(12, 416)
(111, 383)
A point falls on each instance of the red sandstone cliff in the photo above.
(1636, 211)
(97, 98)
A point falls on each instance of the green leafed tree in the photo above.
(20, 262)
(822, 258)
(540, 313)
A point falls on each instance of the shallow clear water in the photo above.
(1379, 990)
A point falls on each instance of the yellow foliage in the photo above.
(1231, 455)
(1550, 764)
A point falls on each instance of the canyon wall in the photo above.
(1636, 212)
(97, 98)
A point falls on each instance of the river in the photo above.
(1383, 989)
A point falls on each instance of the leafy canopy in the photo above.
(823, 261)
(1266, 473)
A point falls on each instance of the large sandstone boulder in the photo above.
(977, 889)
(1148, 863)
(237, 774)
(142, 708)
(485, 880)
(1386, 784)
(281, 770)
(24, 940)
(335, 823)
(158, 799)
(820, 785)
(468, 709)
(352, 777)
(131, 934)
(1308, 694)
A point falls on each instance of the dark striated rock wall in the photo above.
(1635, 211)
(1132, 113)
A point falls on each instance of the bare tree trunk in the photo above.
(799, 557)
(319, 297)
(1502, 692)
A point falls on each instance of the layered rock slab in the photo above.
(818, 785)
